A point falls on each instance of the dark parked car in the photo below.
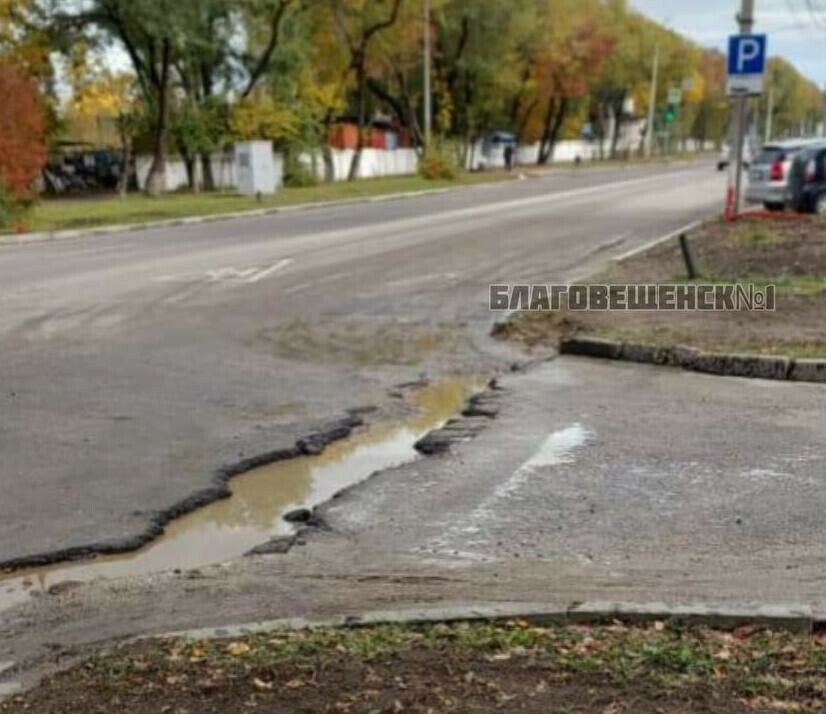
(807, 183)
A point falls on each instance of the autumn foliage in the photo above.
(23, 146)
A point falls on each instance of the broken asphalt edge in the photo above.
(312, 444)
(774, 367)
(479, 411)
(457, 429)
(787, 617)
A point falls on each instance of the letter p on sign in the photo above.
(746, 63)
(750, 50)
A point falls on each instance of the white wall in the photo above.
(374, 163)
(224, 172)
(399, 162)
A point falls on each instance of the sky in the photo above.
(796, 28)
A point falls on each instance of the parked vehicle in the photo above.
(727, 156)
(807, 181)
(768, 180)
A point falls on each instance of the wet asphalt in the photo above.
(135, 365)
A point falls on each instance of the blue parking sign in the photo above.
(746, 54)
(746, 64)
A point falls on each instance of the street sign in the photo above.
(746, 64)
(675, 96)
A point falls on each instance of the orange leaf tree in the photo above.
(23, 147)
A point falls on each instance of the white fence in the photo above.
(224, 171)
(374, 163)
(396, 162)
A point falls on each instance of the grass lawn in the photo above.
(482, 667)
(66, 213)
(789, 253)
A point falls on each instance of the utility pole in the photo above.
(823, 121)
(652, 104)
(428, 100)
(770, 117)
(746, 22)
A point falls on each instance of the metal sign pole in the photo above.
(746, 20)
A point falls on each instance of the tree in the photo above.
(23, 148)
(100, 94)
(359, 22)
(575, 54)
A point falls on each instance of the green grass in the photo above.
(797, 285)
(58, 214)
(755, 234)
(757, 660)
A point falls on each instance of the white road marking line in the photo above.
(261, 274)
(657, 241)
(405, 282)
(227, 274)
(557, 450)
(301, 287)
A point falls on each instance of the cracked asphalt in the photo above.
(135, 365)
(596, 481)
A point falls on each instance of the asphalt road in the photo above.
(134, 365)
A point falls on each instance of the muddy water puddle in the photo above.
(230, 528)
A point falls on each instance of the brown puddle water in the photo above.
(229, 528)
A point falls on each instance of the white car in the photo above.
(727, 156)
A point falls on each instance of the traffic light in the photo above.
(671, 114)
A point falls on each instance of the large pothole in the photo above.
(254, 513)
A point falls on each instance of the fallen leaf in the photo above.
(295, 684)
(745, 632)
(261, 685)
(236, 649)
(659, 626)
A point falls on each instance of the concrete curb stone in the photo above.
(773, 367)
(754, 366)
(808, 370)
(789, 617)
(647, 354)
(591, 347)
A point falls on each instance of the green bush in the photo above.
(439, 162)
(297, 174)
(9, 208)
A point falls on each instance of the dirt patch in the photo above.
(789, 253)
(364, 343)
(482, 667)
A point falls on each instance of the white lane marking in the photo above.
(261, 274)
(558, 449)
(228, 274)
(406, 282)
(657, 241)
(301, 287)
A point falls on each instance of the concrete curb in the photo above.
(115, 229)
(788, 617)
(775, 367)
